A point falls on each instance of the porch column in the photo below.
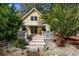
(28, 30)
(39, 30)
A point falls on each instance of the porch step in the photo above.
(35, 47)
(36, 43)
(37, 40)
(38, 37)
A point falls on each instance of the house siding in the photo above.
(28, 21)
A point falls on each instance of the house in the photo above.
(34, 26)
(34, 23)
(36, 30)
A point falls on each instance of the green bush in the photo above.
(10, 21)
(20, 43)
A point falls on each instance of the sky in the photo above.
(17, 5)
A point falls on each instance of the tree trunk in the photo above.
(60, 42)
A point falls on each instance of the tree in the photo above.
(63, 20)
(9, 21)
(42, 7)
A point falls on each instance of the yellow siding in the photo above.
(27, 21)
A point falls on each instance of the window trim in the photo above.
(33, 18)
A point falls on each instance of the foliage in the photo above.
(9, 21)
(63, 19)
(42, 7)
(20, 43)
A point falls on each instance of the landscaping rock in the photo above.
(68, 50)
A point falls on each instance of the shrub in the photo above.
(20, 43)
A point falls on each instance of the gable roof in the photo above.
(33, 9)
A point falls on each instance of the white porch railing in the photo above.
(48, 34)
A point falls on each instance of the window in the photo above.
(33, 18)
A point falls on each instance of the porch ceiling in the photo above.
(33, 25)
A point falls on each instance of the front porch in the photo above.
(34, 30)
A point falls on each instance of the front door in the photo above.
(34, 29)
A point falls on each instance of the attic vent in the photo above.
(33, 10)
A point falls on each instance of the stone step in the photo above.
(36, 43)
(38, 36)
(36, 40)
(35, 47)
